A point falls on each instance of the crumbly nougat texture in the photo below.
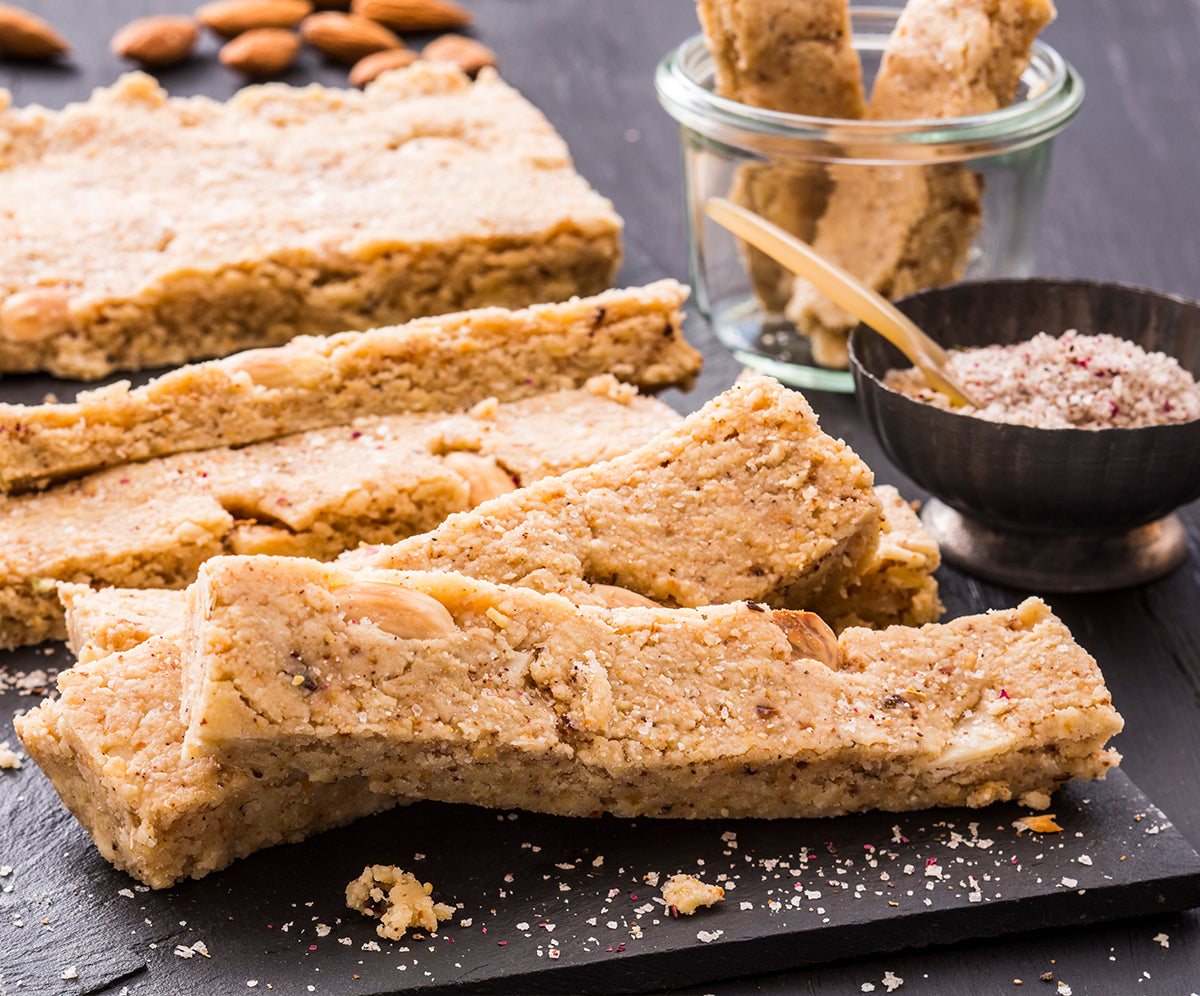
(898, 229)
(958, 57)
(896, 587)
(110, 745)
(440, 364)
(104, 621)
(143, 231)
(902, 228)
(685, 894)
(314, 494)
(540, 539)
(746, 499)
(784, 55)
(442, 687)
(398, 899)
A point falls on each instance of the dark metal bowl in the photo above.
(1022, 491)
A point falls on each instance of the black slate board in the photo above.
(555, 905)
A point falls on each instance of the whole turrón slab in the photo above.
(438, 686)
(143, 231)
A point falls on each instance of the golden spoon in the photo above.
(846, 291)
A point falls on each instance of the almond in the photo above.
(485, 478)
(274, 370)
(28, 36)
(261, 53)
(469, 55)
(162, 40)
(403, 612)
(367, 69)
(810, 637)
(346, 37)
(414, 15)
(230, 18)
(616, 597)
(35, 314)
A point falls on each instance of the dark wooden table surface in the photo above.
(1122, 205)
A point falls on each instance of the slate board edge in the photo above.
(654, 971)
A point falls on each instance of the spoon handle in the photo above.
(844, 289)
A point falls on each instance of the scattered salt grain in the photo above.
(199, 948)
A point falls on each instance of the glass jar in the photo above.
(989, 171)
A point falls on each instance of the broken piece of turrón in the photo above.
(440, 364)
(792, 57)
(437, 686)
(898, 227)
(746, 499)
(315, 494)
(785, 56)
(897, 586)
(110, 744)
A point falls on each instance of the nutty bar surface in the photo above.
(746, 499)
(896, 587)
(445, 363)
(953, 58)
(284, 211)
(110, 744)
(438, 686)
(314, 494)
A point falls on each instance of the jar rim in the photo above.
(683, 83)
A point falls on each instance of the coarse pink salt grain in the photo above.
(1070, 381)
